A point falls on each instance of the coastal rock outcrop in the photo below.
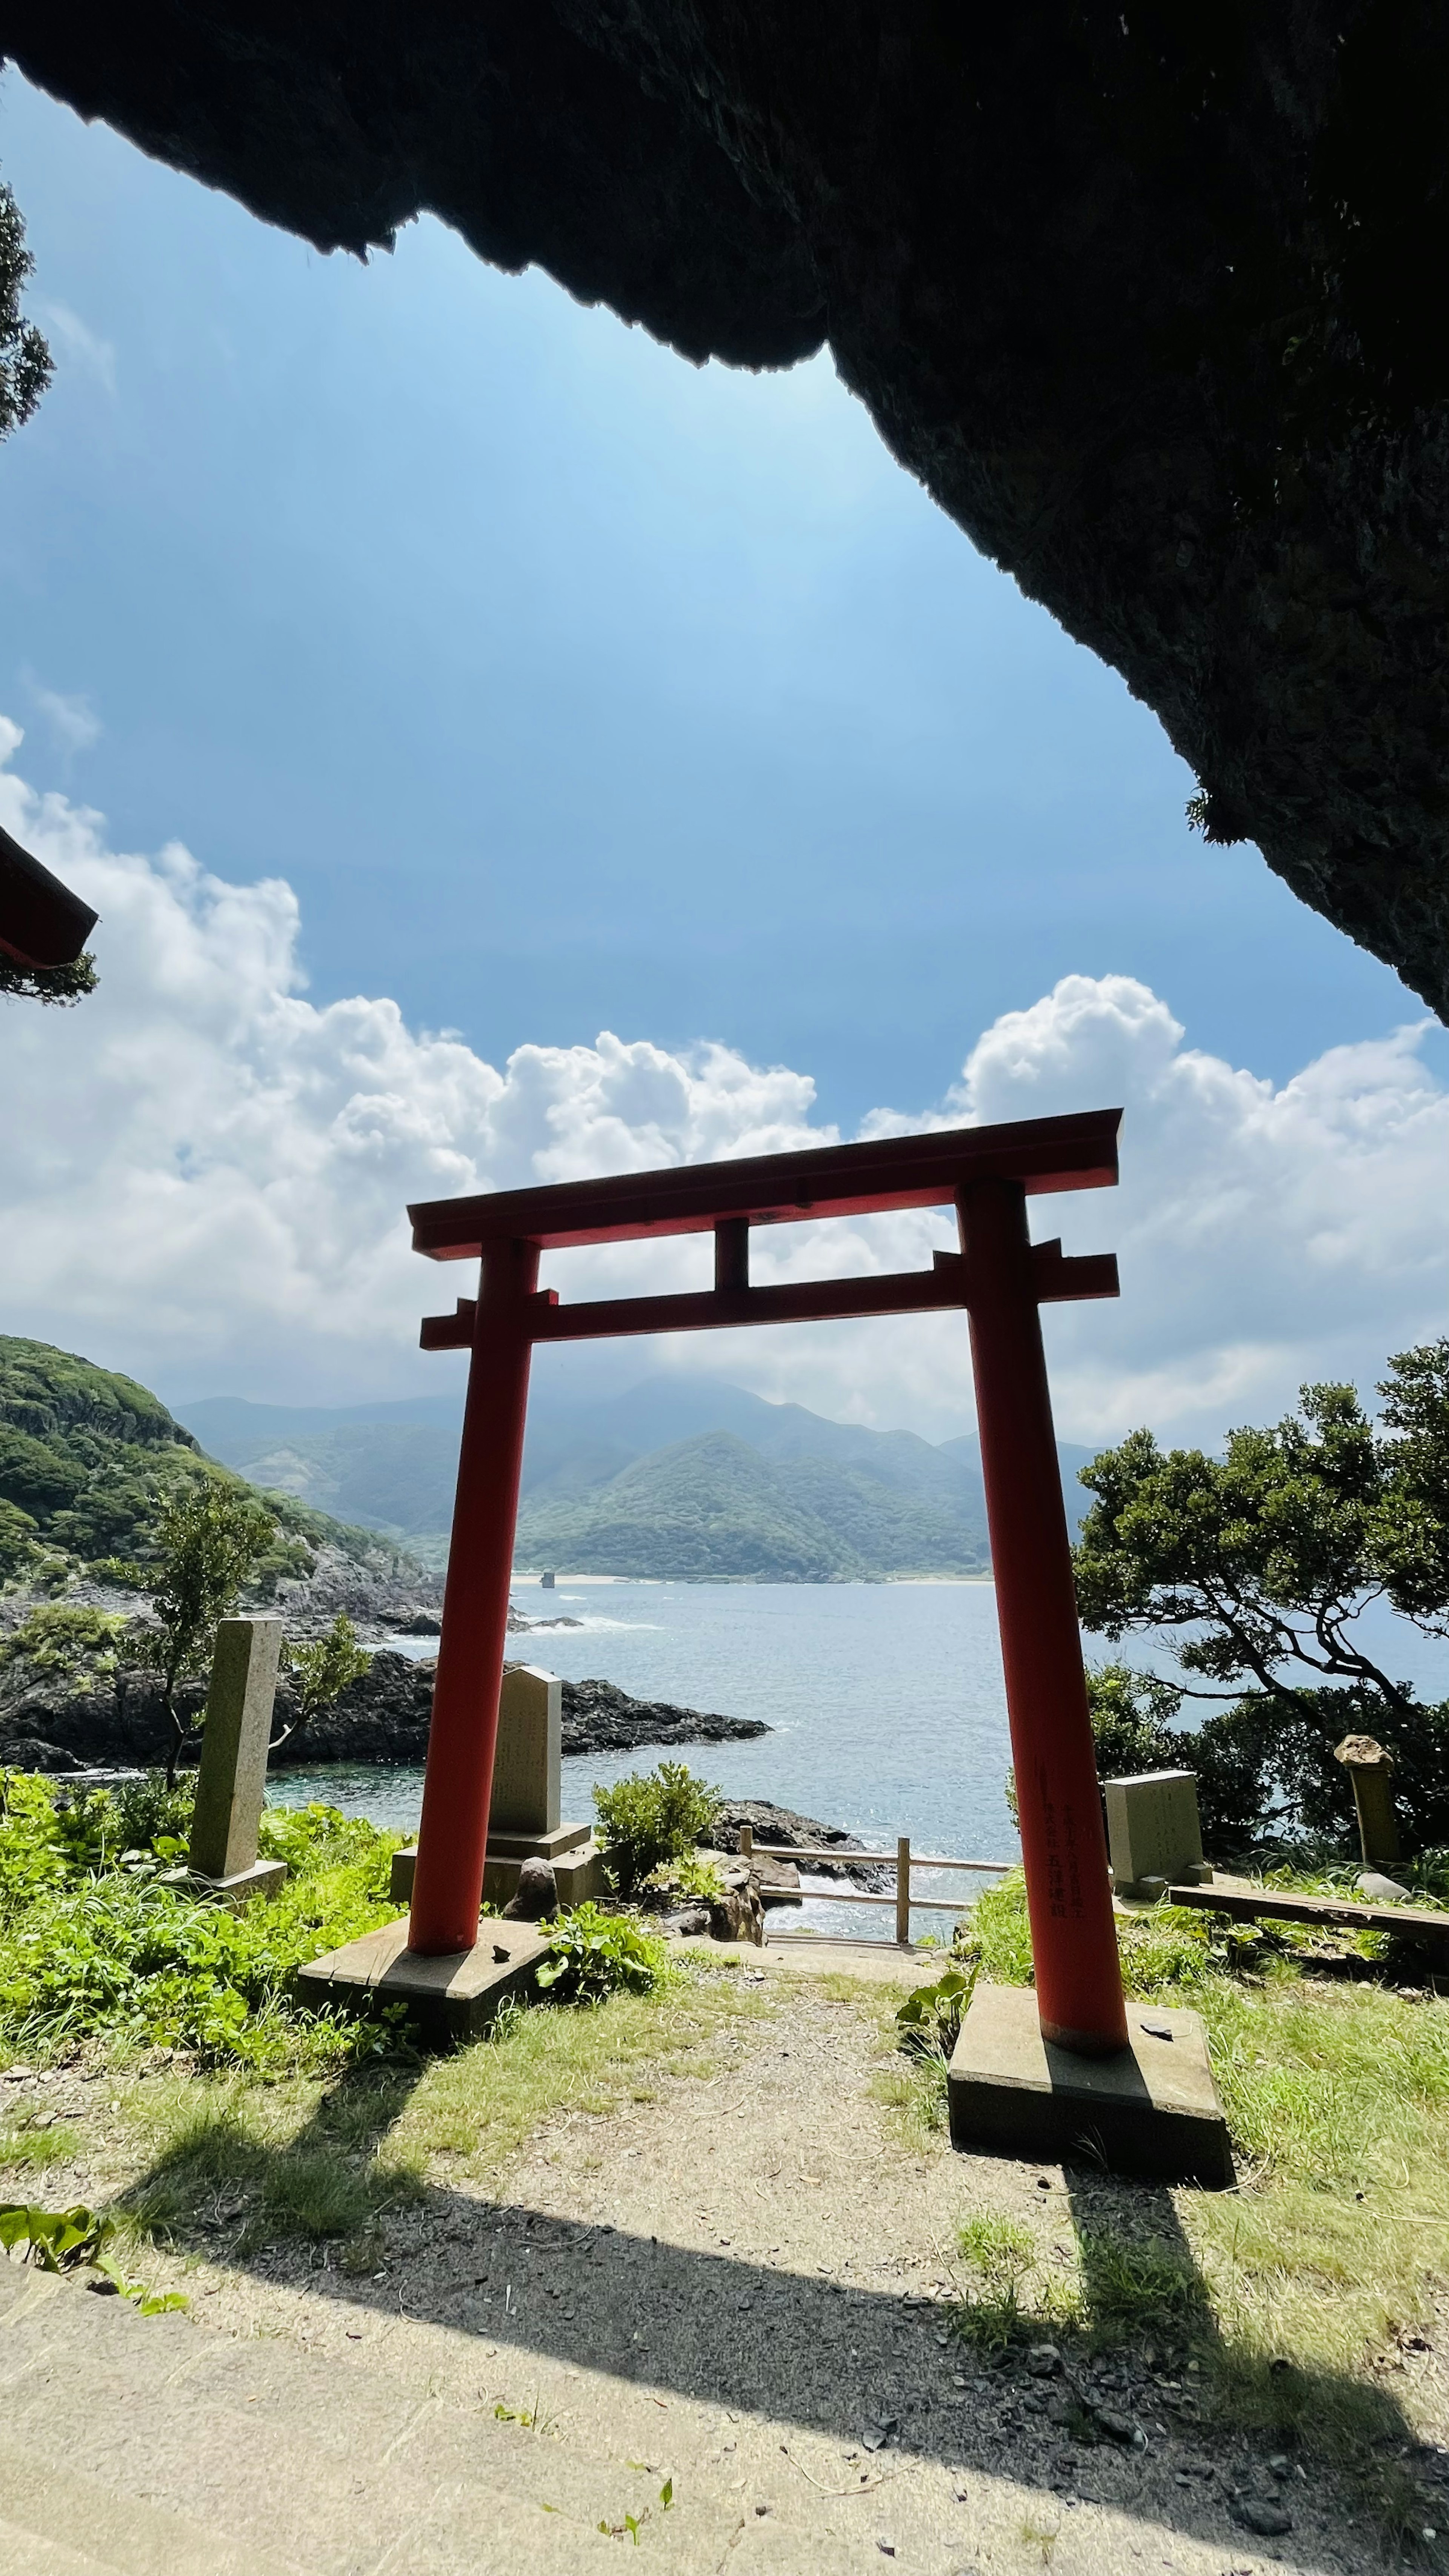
(68, 1720)
(783, 1829)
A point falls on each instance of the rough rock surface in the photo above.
(1139, 295)
(782, 1827)
(598, 1718)
(100, 1718)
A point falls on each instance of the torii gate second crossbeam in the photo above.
(999, 1276)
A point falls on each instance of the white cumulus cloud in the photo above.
(205, 1176)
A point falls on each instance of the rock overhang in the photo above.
(1149, 300)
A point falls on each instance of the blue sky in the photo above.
(570, 687)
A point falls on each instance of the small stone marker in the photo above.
(232, 1780)
(1152, 1828)
(1368, 1767)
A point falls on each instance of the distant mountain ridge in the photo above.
(682, 1477)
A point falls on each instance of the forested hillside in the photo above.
(713, 1510)
(87, 1458)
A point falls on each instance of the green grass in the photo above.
(26, 2150)
(225, 2162)
(282, 2122)
(478, 2106)
(1290, 2290)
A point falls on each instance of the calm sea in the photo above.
(885, 1702)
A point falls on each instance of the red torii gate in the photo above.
(999, 1276)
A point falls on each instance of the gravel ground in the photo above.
(743, 2281)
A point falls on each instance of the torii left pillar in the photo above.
(458, 1789)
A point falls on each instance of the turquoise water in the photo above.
(885, 1700)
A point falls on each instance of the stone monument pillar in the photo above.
(232, 1780)
(1369, 1768)
(524, 1821)
(1153, 1832)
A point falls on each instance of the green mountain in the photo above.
(605, 1475)
(712, 1510)
(86, 1460)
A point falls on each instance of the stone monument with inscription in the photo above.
(1153, 1833)
(231, 1784)
(525, 1816)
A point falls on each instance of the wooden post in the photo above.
(1063, 1847)
(903, 1891)
(458, 1788)
(747, 1842)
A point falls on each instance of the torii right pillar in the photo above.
(1071, 2070)
(1063, 1844)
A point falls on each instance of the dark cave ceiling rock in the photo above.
(1152, 300)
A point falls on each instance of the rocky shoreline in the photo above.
(62, 1722)
(784, 1829)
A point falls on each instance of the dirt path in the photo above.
(739, 2283)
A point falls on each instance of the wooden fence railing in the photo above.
(902, 1860)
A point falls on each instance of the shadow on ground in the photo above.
(831, 2354)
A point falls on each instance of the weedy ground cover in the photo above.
(1289, 2293)
(241, 2117)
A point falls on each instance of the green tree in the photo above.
(320, 1672)
(1264, 1557)
(57, 984)
(1254, 1567)
(1411, 1541)
(210, 1541)
(25, 361)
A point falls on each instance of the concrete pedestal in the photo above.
(1151, 2110)
(450, 1999)
(262, 1879)
(573, 1855)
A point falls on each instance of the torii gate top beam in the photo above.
(1043, 1154)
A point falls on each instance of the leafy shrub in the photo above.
(929, 2021)
(60, 2240)
(320, 1671)
(61, 1638)
(688, 1877)
(651, 1817)
(18, 1534)
(32, 1855)
(592, 1954)
(137, 1818)
(91, 1949)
